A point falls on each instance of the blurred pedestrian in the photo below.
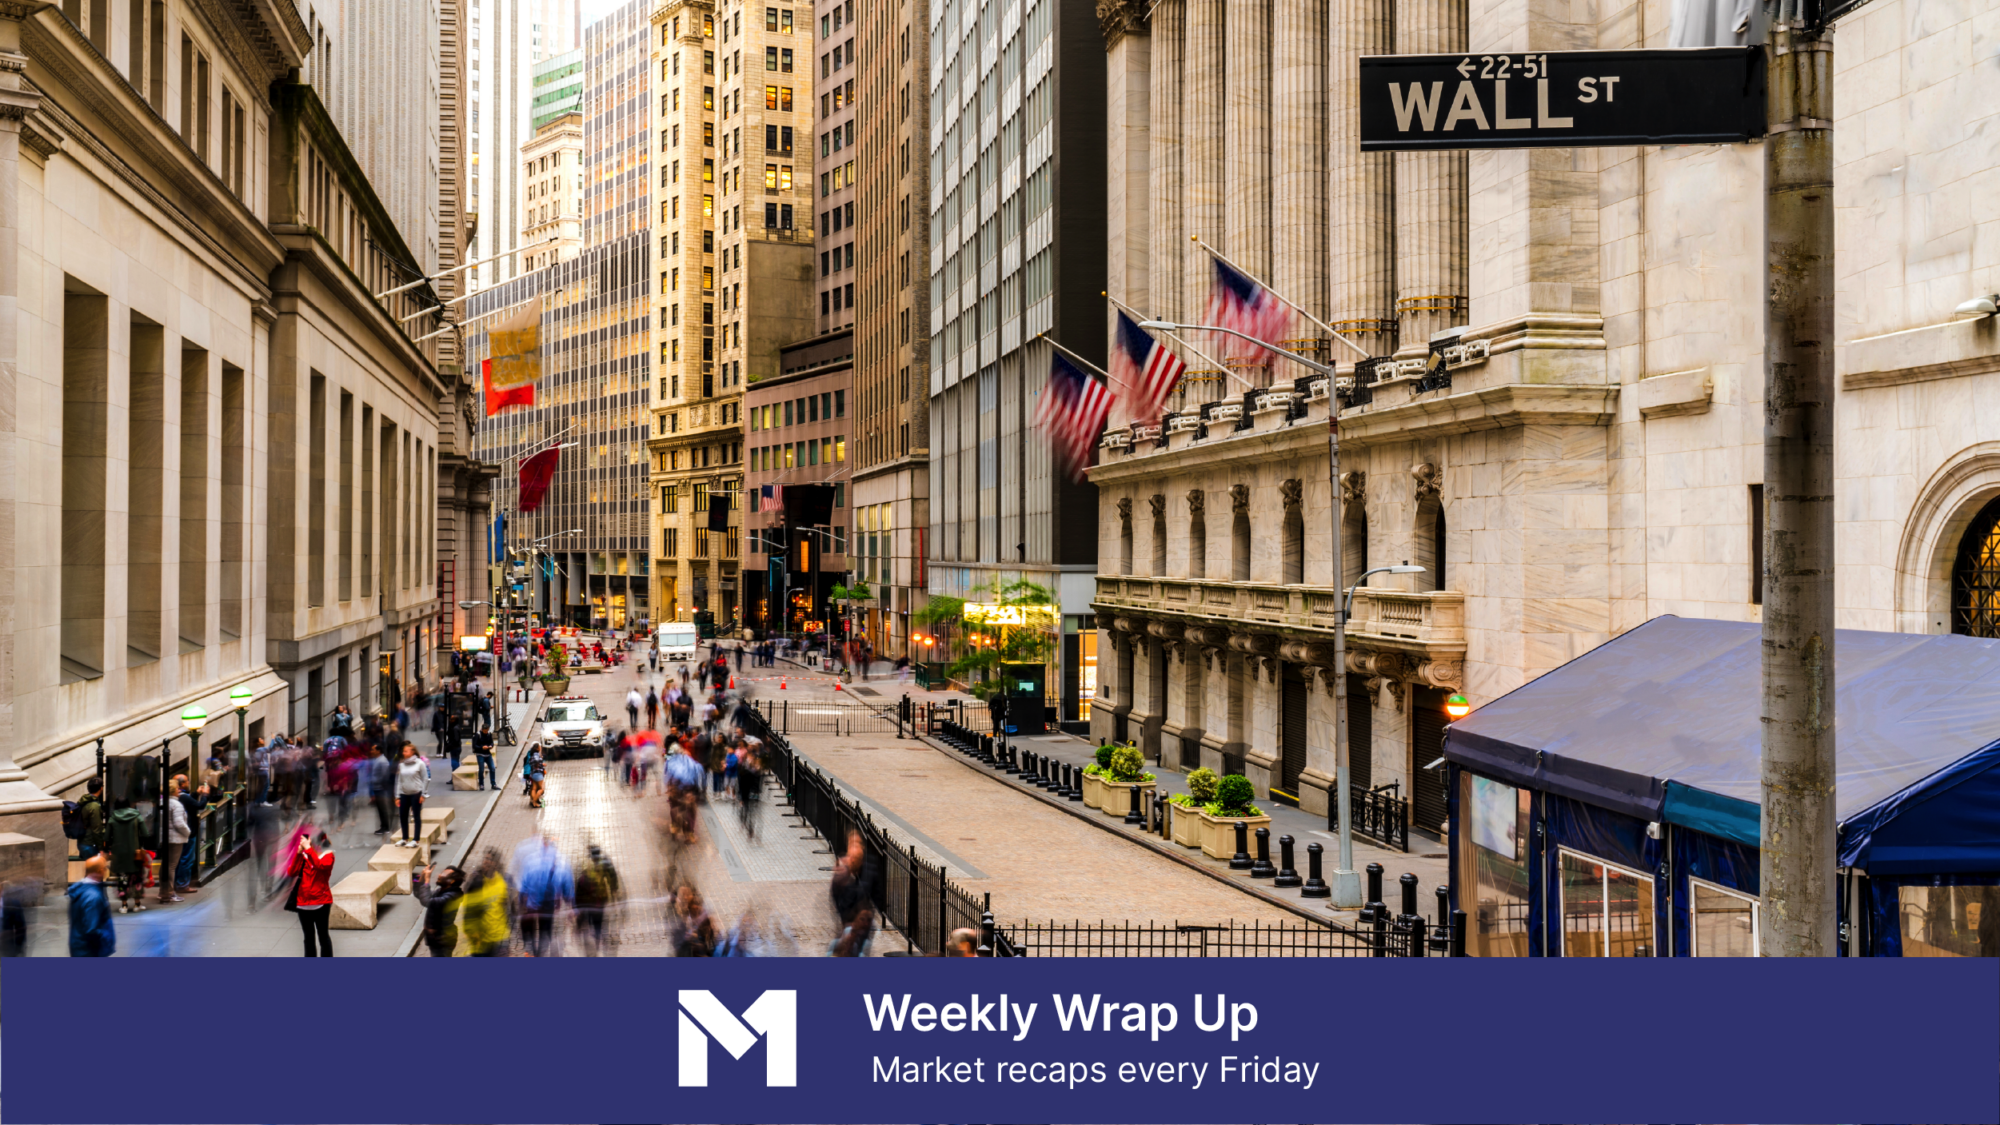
(441, 729)
(597, 887)
(963, 943)
(341, 723)
(311, 897)
(482, 914)
(90, 932)
(413, 783)
(693, 930)
(441, 905)
(633, 701)
(543, 885)
(853, 894)
(128, 858)
(749, 785)
(652, 708)
(377, 779)
(19, 896)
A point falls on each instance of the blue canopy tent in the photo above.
(1611, 806)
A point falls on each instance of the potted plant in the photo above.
(1186, 807)
(1232, 806)
(1093, 778)
(1125, 781)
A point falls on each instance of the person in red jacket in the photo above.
(313, 899)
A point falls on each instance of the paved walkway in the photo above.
(240, 913)
(1426, 858)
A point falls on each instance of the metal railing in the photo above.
(1380, 814)
(1232, 939)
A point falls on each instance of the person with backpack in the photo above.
(597, 887)
(128, 859)
(84, 821)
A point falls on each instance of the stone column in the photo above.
(1202, 118)
(25, 810)
(1298, 156)
(1360, 189)
(1170, 246)
(1131, 237)
(1430, 198)
(1247, 137)
(1317, 783)
(1262, 754)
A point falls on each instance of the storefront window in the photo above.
(1606, 911)
(1087, 671)
(1725, 922)
(1950, 921)
(1494, 848)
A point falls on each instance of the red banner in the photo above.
(536, 473)
(500, 398)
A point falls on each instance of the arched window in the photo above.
(1975, 577)
(1197, 545)
(1430, 545)
(1239, 555)
(1294, 547)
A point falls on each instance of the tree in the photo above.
(848, 595)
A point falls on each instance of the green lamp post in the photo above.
(240, 698)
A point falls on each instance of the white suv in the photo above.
(571, 728)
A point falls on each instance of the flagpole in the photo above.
(1322, 325)
(1076, 357)
(1136, 315)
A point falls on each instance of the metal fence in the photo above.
(1233, 939)
(814, 716)
(1379, 813)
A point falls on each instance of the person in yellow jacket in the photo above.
(483, 912)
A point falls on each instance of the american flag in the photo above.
(1072, 414)
(1143, 370)
(1235, 301)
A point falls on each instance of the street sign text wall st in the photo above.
(1554, 99)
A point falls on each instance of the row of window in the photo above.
(798, 454)
(821, 407)
(837, 259)
(836, 180)
(671, 543)
(837, 298)
(841, 137)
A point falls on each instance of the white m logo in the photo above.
(775, 1016)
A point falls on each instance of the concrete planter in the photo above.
(1186, 824)
(1119, 795)
(1093, 791)
(1218, 836)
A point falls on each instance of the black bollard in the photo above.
(1241, 860)
(1014, 759)
(1376, 913)
(1262, 869)
(1315, 884)
(1135, 805)
(1409, 923)
(1286, 876)
(1458, 933)
(1073, 781)
(1441, 933)
(1051, 775)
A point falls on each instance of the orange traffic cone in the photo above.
(781, 683)
(836, 685)
(732, 683)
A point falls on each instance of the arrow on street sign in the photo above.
(1562, 99)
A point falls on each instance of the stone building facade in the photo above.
(1593, 457)
(221, 447)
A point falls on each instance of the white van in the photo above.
(677, 641)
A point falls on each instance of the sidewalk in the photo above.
(240, 913)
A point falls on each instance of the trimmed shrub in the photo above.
(1127, 764)
(1236, 795)
(1201, 783)
(1104, 753)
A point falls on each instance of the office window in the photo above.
(708, 312)
(788, 412)
(708, 134)
(708, 171)
(676, 275)
(785, 176)
(785, 21)
(770, 19)
(840, 404)
(708, 207)
(785, 60)
(708, 62)
(825, 303)
(785, 98)
(770, 184)
(840, 447)
(708, 26)
(770, 97)
(669, 499)
(785, 210)
(770, 58)
(707, 101)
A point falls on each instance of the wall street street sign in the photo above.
(1558, 99)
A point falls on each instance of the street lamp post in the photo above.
(1346, 881)
(194, 718)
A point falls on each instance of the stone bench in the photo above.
(466, 777)
(442, 814)
(355, 897)
(398, 860)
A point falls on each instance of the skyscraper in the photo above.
(891, 393)
(506, 39)
(1017, 209)
(734, 232)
